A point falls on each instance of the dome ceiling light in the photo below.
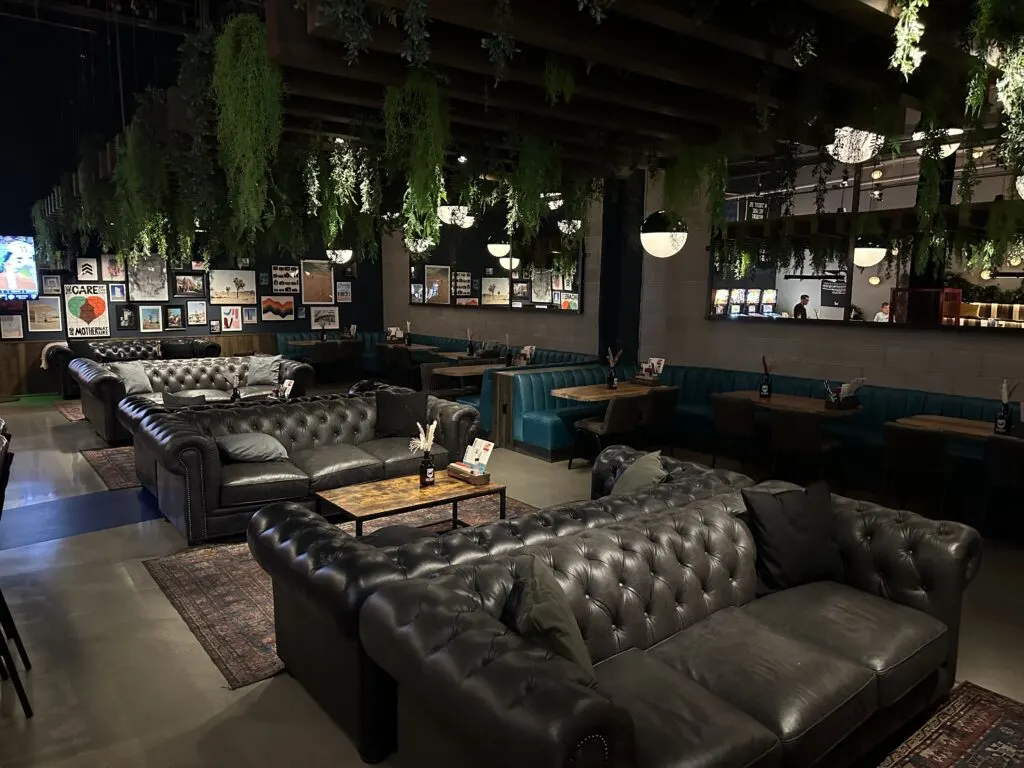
(986, 274)
(457, 215)
(343, 256)
(945, 150)
(508, 263)
(852, 146)
(419, 245)
(869, 251)
(874, 280)
(499, 245)
(663, 234)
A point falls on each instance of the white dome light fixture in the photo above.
(852, 146)
(457, 215)
(419, 245)
(553, 199)
(874, 280)
(508, 263)
(343, 256)
(986, 274)
(945, 150)
(869, 251)
(1020, 186)
(569, 226)
(499, 245)
(663, 234)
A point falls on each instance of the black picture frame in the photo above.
(188, 292)
(126, 317)
(174, 311)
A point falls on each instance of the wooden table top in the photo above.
(599, 393)
(790, 403)
(314, 342)
(949, 425)
(467, 370)
(403, 494)
(410, 347)
(456, 355)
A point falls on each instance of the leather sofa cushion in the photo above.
(260, 482)
(211, 395)
(902, 646)
(398, 461)
(256, 391)
(332, 466)
(679, 723)
(808, 697)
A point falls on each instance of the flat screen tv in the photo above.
(18, 276)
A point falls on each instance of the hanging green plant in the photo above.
(337, 187)
(415, 48)
(537, 171)
(311, 180)
(350, 21)
(578, 196)
(695, 175)
(909, 30)
(969, 178)
(559, 80)
(370, 192)
(500, 46)
(47, 239)
(824, 166)
(247, 87)
(787, 168)
(416, 132)
(804, 47)
(596, 8)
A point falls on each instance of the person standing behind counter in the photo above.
(800, 310)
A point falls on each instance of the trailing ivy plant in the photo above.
(596, 8)
(577, 198)
(416, 133)
(247, 87)
(350, 21)
(415, 48)
(928, 196)
(804, 47)
(47, 239)
(909, 29)
(337, 191)
(559, 80)
(500, 46)
(537, 171)
(824, 166)
(787, 168)
(698, 174)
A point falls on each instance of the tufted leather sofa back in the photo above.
(197, 373)
(123, 349)
(298, 426)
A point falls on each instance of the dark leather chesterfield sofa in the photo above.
(691, 669)
(330, 443)
(114, 350)
(321, 578)
(213, 377)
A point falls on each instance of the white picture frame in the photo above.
(230, 319)
(44, 315)
(11, 327)
(151, 318)
(87, 270)
(319, 314)
(317, 282)
(112, 268)
(232, 287)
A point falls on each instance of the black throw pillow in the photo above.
(794, 535)
(398, 413)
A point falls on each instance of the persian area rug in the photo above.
(115, 466)
(226, 600)
(70, 410)
(976, 728)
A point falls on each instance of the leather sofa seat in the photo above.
(255, 392)
(678, 722)
(394, 454)
(246, 483)
(332, 466)
(211, 395)
(808, 697)
(902, 646)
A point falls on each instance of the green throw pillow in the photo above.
(539, 611)
(641, 473)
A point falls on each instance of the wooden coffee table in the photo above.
(386, 498)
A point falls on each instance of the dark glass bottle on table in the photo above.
(408, 340)
(766, 386)
(426, 470)
(1004, 420)
(613, 380)
(469, 348)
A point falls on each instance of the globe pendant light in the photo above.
(1020, 186)
(553, 199)
(869, 251)
(508, 263)
(945, 150)
(499, 245)
(569, 226)
(663, 234)
(340, 257)
(457, 215)
(419, 245)
(851, 146)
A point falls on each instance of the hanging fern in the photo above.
(537, 171)
(596, 8)
(350, 21)
(416, 132)
(47, 239)
(370, 192)
(577, 198)
(559, 81)
(500, 46)
(311, 180)
(247, 87)
(824, 166)
(909, 30)
(337, 187)
(698, 174)
(415, 48)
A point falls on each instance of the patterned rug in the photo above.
(70, 409)
(977, 728)
(225, 598)
(115, 466)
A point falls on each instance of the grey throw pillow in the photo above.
(136, 382)
(171, 400)
(252, 446)
(263, 369)
(643, 472)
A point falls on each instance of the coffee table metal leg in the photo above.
(501, 501)
(455, 515)
(359, 528)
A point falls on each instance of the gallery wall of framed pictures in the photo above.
(461, 271)
(101, 297)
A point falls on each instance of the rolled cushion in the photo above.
(252, 446)
(136, 382)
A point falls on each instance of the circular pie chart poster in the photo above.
(87, 310)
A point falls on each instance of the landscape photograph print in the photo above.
(232, 286)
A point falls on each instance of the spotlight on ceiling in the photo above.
(509, 263)
(462, 159)
(874, 280)
(663, 234)
(457, 215)
(569, 226)
(977, 153)
(869, 251)
(499, 245)
(553, 199)
(945, 150)
(419, 245)
(343, 256)
(852, 146)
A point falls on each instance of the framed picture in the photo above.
(556, 298)
(112, 268)
(494, 291)
(147, 279)
(232, 286)
(472, 301)
(11, 327)
(151, 319)
(12, 305)
(195, 312)
(230, 319)
(343, 292)
(520, 290)
(51, 285)
(189, 285)
(86, 310)
(274, 308)
(541, 284)
(44, 315)
(437, 285)
(317, 282)
(87, 270)
(118, 292)
(264, 279)
(127, 317)
(250, 316)
(462, 283)
(284, 279)
(198, 266)
(324, 319)
(174, 318)
(301, 313)
(556, 282)
(215, 326)
(416, 293)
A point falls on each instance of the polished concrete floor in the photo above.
(119, 680)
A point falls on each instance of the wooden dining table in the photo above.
(456, 355)
(410, 347)
(949, 425)
(599, 393)
(815, 405)
(466, 371)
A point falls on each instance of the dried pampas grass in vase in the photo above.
(424, 443)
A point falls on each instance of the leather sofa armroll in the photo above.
(205, 348)
(518, 704)
(301, 373)
(97, 379)
(457, 424)
(606, 467)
